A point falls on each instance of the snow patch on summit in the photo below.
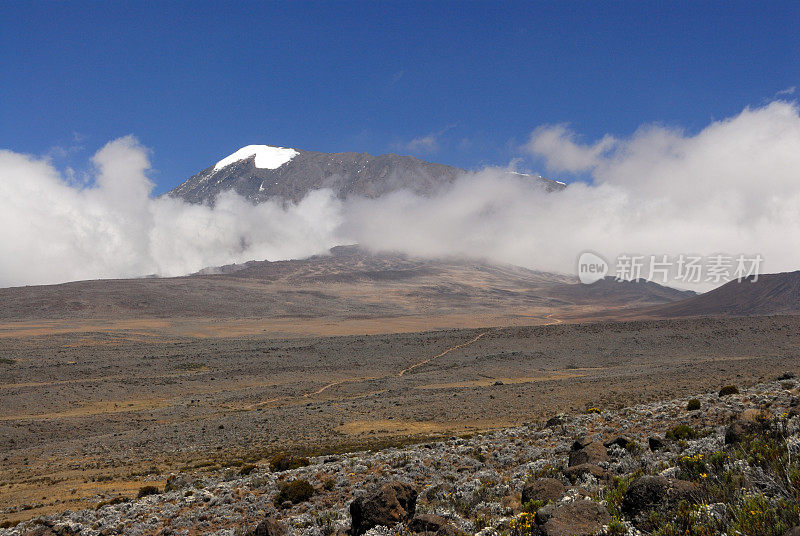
(267, 156)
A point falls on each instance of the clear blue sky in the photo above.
(196, 80)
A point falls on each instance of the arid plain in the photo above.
(91, 414)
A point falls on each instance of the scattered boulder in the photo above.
(270, 527)
(177, 481)
(578, 471)
(748, 422)
(587, 452)
(40, 531)
(578, 518)
(427, 523)
(620, 441)
(392, 503)
(448, 530)
(545, 490)
(655, 493)
(794, 407)
(557, 420)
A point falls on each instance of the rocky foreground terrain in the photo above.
(724, 462)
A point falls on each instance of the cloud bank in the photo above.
(55, 232)
(733, 187)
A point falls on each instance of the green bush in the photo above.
(284, 462)
(682, 431)
(296, 492)
(614, 493)
(247, 469)
(694, 404)
(147, 490)
(633, 447)
(757, 515)
(532, 506)
(616, 527)
(729, 390)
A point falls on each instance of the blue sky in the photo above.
(469, 81)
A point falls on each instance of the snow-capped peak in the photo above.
(267, 156)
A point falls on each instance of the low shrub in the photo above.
(532, 506)
(682, 432)
(694, 404)
(147, 490)
(295, 492)
(729, 390)
(247, 469)
(616, 527)
(524, 525)
(284, 462)
(115, 500)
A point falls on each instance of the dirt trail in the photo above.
(555, 320)
(358, 380)
(456, 347)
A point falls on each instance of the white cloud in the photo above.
(733, 187)
(556, 143)
(423, 144)
(54, 231)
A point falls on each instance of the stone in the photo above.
(427, 523)
(270, 527)
(620, 441)
(448, 530)
(545, 490)
(554, 421)
(748, 422)
(577, 471)
(578, 518)
(655, 493)
(592, 452)
(392, 503)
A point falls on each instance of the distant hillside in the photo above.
(769, 294)
(261, 172)
(348, 283)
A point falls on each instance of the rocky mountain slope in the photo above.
(719, 463)
(769, 294)
(261, 172)
(348, 283)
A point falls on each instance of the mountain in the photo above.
(346, 284)
(767, 295)
(611, 291)
(260, 172)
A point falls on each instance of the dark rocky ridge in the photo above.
(341, 284)
(346, 174)
(769, 294)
